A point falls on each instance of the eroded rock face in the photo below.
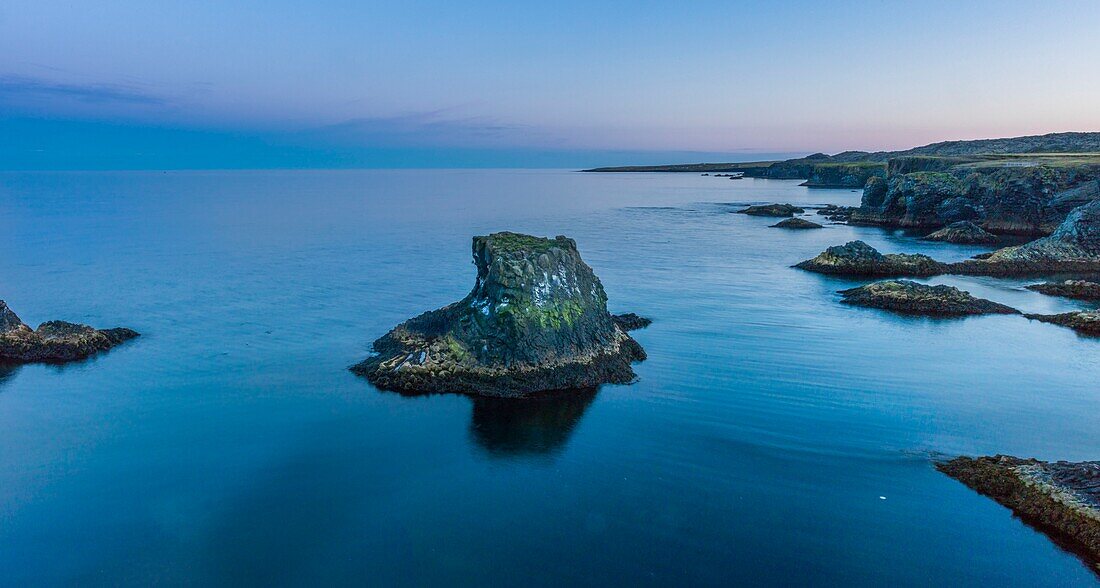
(1060, 498)
(536, 320)
(909, 297)
(964, 233)
(53, 341)
(1078, 289)
(857, 258)
(772, 210)
(797, 223)
(1086, 322)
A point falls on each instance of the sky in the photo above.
(428, 83)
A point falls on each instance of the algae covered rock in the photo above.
(1062, 499)
(857, 258)
(797, 223)
(963, 233)
(536, 320)
(1078, 289)
(910, 297)
(771, 210)
(53, 341)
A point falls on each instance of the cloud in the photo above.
(424, 129)
(18, 89)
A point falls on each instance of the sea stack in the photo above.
(53, 341)
(536, 320)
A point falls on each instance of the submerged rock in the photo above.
(1079, 289)
(1086, 322)
(1062, 499)
(771, 210)
(631, 321)
(536, 320)
(964, 233)
(53, 341)
(797, 223)
(857, 258)
(1073, 247)
(913, 298)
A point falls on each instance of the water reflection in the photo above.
(7, 372)
(540, 425)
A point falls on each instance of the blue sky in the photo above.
(280, 83)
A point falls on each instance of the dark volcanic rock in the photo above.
(1073, 247)
(1079, 289)
(53, 341)
(962, 232)
(857, 258)
(1062, 499)
(772, 210)
(631, 322)
(1086, 322)
(836, 213)
(797, 223)
(536, 320)
(912, 298)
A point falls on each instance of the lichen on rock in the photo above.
(536, 320)
(857, 258)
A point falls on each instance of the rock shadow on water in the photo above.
(540, 425)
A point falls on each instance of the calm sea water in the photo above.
(774, 436)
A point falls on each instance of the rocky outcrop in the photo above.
(1073, 247)
(797, 223)
(836, 213)
(1018, 195)
(53, 341)
(1062, 499)
(771, 210)
(963, 233)
(909, 297)
(857, 258)
(1086, 322)
(843, 175)
(536, 320)
(631, 322)
(1078, 289)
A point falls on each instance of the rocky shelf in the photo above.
(963, 233)
(1062, 499)
(771, 210)
(909, 297)
(1077, 289)
(797, 223)
(536, 320)
(53, 341)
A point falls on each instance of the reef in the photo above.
(857, 258)
(963, 233)
(904, 296)
(536, 320)
(797, 223)
(771, 210)
(1086, 322)
(1077, 289)
(53, 341)
(1062, 499)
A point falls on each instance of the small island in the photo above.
(907, 297)
(53, 341)
(797, 224)
(536, 320)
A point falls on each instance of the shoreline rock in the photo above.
(1086, 322)
(908, 297)
(771, 210)
(53, 341)
(1062, 499)
(630, 321)
(1076, 289)
(796, 224)
(536, 320)
(857, 258)
(962, 233)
